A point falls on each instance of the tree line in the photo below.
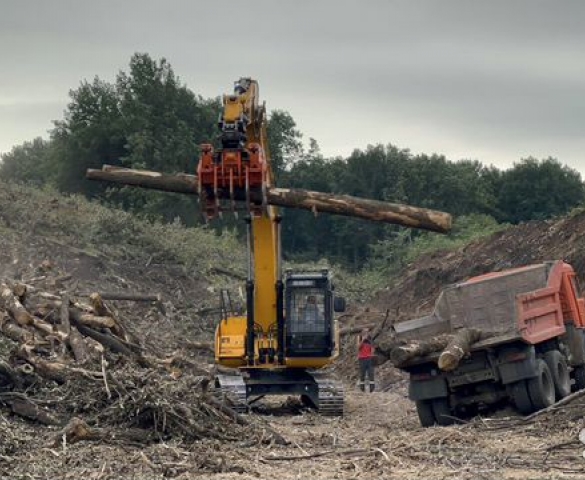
(147, 118)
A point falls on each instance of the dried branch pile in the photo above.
(74, 364)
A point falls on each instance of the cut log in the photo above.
(20, 290)
(98, 305)
(8, 375)
(134, 297)
(65, 326)
(373, 210)
(77, 430)
(78, 346)
(101, 309)
(457, 348)
(114, 344)
(21, 405)
(47, 329)
(14, 332)
(402, 354)
(58, 371)
(11, 303)
(95, 321)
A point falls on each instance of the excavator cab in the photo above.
(309, 320)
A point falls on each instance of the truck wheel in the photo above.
(579, 376)
(560, 372)
(424, 408)
(442, 411)
(541, 388)
(519, 393)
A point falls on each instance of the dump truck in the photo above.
(530, 350)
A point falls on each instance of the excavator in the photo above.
(288, 332)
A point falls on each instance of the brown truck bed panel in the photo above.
(518, 304)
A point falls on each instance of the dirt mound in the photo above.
(415, 292)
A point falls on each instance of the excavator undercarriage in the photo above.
(316, 389)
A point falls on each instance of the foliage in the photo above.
(390, 255)
(97, 229)
(27, 163)
(284, 141)
(148, 119)
(537, 190)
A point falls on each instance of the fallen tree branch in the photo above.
(239, 419)
(134, 297)
(77, 430)
(554, 406)
(22, 406)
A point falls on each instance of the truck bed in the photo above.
(514, 305)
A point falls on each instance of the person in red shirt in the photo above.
(366, 360)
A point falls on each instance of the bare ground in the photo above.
(379, 436)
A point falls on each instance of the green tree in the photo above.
(538, 189)
(90, 134)
(27, 163)
(284, 142)
(148, 119)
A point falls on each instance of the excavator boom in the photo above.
(277, 342)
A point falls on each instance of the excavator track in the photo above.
(233, 388)
(331, 395)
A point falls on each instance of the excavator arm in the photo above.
(242, 166)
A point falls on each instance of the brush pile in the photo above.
(71, 362)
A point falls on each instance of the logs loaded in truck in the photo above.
(515, 336)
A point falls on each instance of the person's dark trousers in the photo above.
(366, 369)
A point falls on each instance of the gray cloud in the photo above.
(496, 81)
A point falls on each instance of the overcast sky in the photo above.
(495, 81)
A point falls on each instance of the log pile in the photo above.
(74, 364)
(452, 347)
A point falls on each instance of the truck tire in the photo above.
(560, 372)
(442, 411)
(424, 408)
(541, 388)
(579, 376)
(520, 397)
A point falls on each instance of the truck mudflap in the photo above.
(516, 364)
(422, 387)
